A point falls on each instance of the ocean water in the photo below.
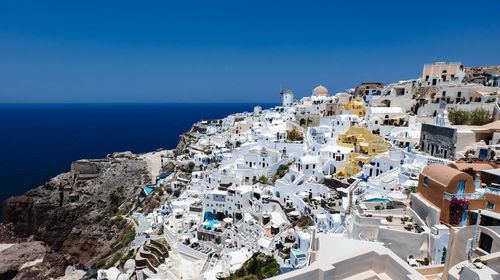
(39, 141)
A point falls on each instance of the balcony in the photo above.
(469, 196)
(492, 190)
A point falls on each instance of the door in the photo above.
(483, 153)
(463, 220)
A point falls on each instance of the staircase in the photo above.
(350, 193)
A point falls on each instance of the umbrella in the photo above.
(205, 224)
(216, 225)
(228, 220)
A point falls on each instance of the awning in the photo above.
(488, 213)
(398, 117)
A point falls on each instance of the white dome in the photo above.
(320, 91)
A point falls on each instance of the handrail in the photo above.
(492, 190)
(450, 196)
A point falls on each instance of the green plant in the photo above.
(282, 170)
(490, 100)
(481, 261)
(115, 258)
(263, 179)
(409, 190)
(128, 235)
(478, 116)
(305, 223)
(177, 192)
(259, 266)
(114, 203)
(100, 263)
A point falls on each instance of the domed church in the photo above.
(320, 91)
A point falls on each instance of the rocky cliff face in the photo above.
(187, 138)
(63, 216)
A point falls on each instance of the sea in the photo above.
(39, 141)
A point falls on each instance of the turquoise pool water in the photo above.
(378, 200)
(209, 217)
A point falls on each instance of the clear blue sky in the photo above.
(229, 51)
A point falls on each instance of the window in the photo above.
(490, 206)
(444, 93)
(459, 94)
(426, 181)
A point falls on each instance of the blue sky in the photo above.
(229, 51)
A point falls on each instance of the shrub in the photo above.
(177, 192)
(115, 258)
(263, 179)
(304, 223)
(478, 116)
(409, 190)
(481, 261)
(100, 263)
(294, 135)
(426, 261)
(128, 235)
(282, 170)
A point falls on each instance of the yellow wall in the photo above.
(356, 107)
(372, 145)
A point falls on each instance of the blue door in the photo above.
(461, 187)
(483, 153)
(463, 220)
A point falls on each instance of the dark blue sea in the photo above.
(39, 141)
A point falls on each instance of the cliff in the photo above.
(61, 219)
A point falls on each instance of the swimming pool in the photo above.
(379, 200)
(209, 217)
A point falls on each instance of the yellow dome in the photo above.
(320, 91)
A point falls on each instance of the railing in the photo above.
(492, 190)
(450, 196)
